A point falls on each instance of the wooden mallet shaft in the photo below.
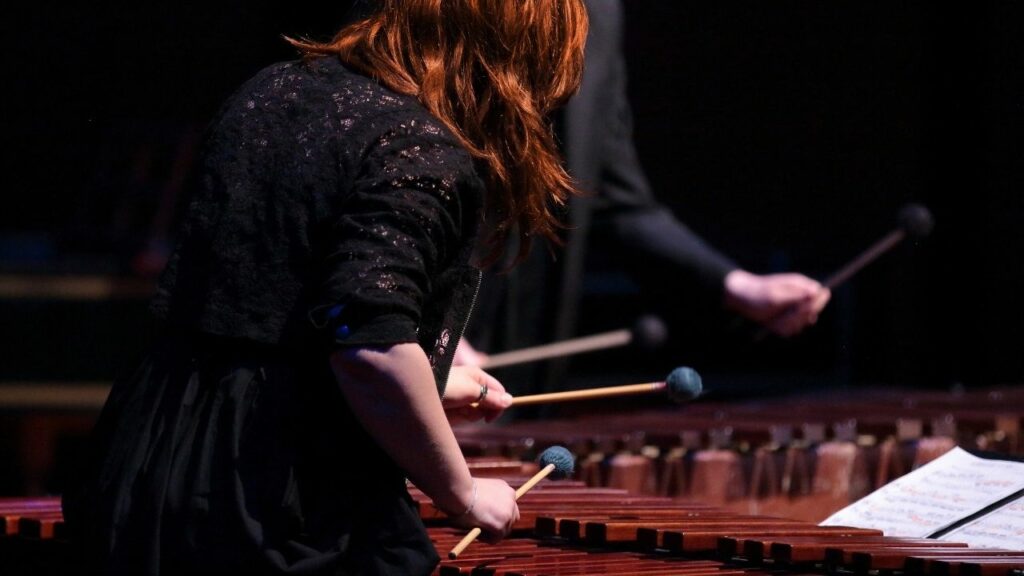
(839, 277)
(607, 392)
(591, 343)
(866, 257)
(475, 532)
(915, 221)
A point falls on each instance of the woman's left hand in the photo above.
(469, 385)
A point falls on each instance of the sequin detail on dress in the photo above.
(321, 188)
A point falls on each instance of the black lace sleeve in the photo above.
(397, 229)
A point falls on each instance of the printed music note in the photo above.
(935, 496)
(1001, 528)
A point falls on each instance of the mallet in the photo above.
(681, 385)
(556, 462)
(647, 331)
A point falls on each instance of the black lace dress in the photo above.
(330, 212)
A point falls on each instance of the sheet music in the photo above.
(1002, 528)
(934, 496)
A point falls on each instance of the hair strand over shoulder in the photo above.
(491, 71)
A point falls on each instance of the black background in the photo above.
(788, 133)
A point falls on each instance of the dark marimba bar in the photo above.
(32, 539)
(611, 534)
(799, 456)
(580, 531)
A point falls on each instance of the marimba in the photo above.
(799, 456)
(568, 529)
(606, 529)
(32, 538)
(578, 531)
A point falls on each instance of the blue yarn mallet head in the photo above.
(683, 384)
(562, 460)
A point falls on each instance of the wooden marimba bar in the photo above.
(804, 456)
(32, 538)
(988, 419)
(566, 529)
(576, 531)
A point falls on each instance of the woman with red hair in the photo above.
(322, 281)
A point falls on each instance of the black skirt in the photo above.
(229, 458)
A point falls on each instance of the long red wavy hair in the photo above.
(491, 71)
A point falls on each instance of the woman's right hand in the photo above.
(495, 510)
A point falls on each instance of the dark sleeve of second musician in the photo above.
(649, 240)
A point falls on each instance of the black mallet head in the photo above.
(916, 220)
(649, 332)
